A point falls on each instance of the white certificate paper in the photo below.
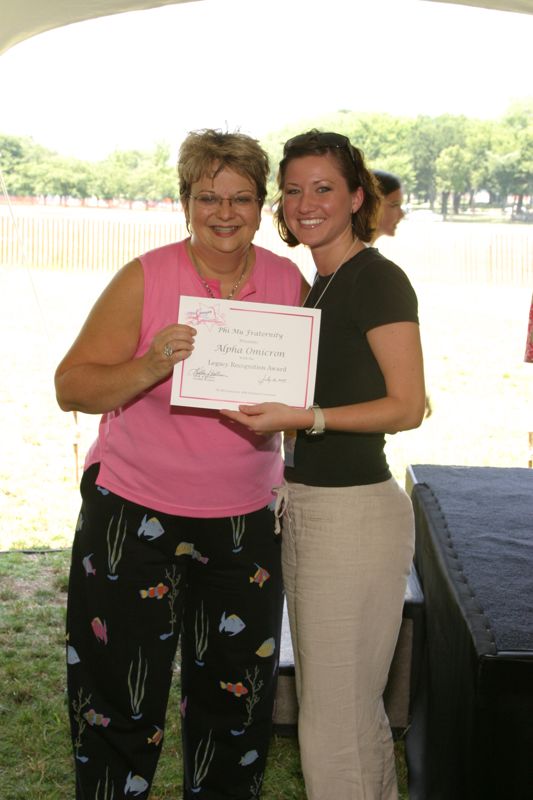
(247, 353)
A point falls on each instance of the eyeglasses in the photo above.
(304, 141)
(243, 200)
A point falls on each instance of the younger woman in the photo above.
(348, 529)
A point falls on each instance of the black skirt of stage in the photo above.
(471, 734)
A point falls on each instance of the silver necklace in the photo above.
(326, 287)
(206, 285)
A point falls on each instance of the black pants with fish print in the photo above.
(141, 581)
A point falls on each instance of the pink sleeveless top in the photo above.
(184, 461)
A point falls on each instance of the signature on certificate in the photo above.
(203, 374)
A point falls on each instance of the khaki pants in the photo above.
(347, 553)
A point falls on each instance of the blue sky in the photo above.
(134, 79)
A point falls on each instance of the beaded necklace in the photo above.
(205, 283)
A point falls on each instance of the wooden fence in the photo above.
(427, 248)
(75, 241)
(461, 252)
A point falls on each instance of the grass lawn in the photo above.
(480, 389)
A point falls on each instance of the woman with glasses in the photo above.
(348, 529)
(176, 536)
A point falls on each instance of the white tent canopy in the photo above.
(521, 6)
(25, 18)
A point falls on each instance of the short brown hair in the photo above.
(209, 149)
(351, 163)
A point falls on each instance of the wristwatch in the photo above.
(319, 423)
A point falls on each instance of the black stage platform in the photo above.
(472, 729)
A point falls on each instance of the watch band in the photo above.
(319, 423)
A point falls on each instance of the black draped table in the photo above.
(472, 731)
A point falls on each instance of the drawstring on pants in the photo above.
(280, 508)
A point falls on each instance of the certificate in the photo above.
(247, 353)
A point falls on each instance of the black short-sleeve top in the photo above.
(366, 292)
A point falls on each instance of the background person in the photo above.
(348, 530)
(390, 214)
(390, 209)
(175, 538)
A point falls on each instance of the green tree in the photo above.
(450, 154)
(429, 136)
(157, 178)
(478, 146)
(136, 175)
(61, 177)
(452, 176)
(115, 176)
(19, 156)
(511, 157)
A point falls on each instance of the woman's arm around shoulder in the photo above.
(99, 372)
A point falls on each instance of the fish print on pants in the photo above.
(249, 758)
(231, 624)
(237, 689)
(88, 566)
(183, 707)
(156, 737)
(150, 528)
(260, 577)
(135, 784)
(94, 718)
(99, 629)
(187, 549)
(72, 655)
(158, 591)
(267, 648)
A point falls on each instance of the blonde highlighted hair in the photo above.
(208, 151)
